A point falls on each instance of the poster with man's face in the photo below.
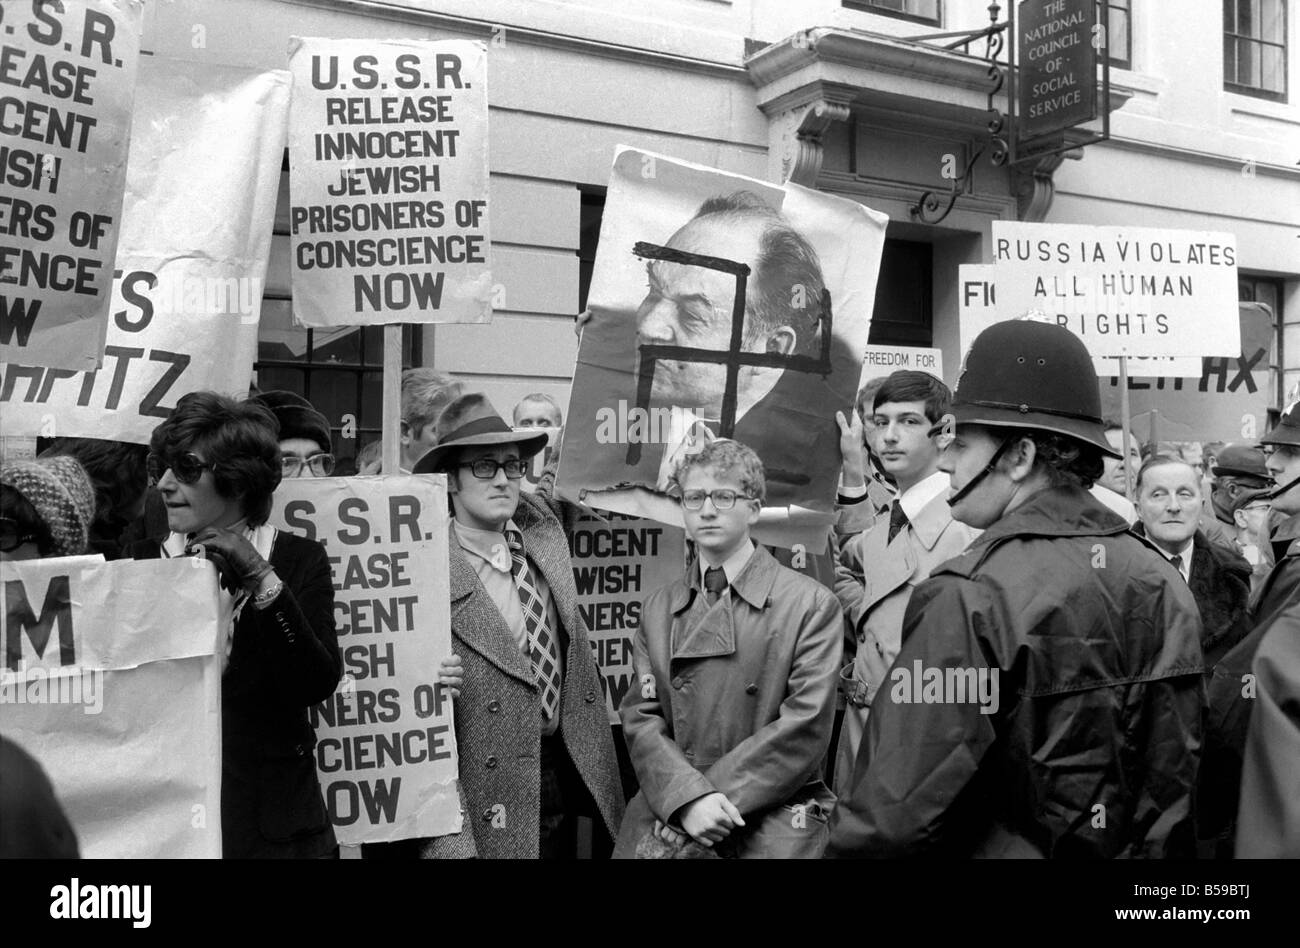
(722, 307)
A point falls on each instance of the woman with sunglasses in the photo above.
(216, 463)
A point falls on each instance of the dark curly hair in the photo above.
(1066, 461)
(240, 439)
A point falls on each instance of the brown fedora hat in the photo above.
(471, 421)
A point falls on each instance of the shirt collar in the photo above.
(488, 545)
(732, 565)
(918, 495)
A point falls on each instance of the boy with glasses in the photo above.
(729, 716)
(533, 737)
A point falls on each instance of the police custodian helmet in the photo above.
(1287, 430)
(1028, 374)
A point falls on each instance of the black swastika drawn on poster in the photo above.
(732, 357)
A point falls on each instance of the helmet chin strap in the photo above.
(1279, 491)
(988, 469)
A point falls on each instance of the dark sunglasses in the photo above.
(186, 468)
(10, 536)
(320, 465)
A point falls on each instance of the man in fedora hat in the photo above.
(1047, 697)
(531, 727)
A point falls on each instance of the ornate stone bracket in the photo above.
(808, 150)
(1034, 186)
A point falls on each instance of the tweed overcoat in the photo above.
(497, 713)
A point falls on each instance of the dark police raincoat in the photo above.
(1093, 747)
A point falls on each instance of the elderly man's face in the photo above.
(691, 306)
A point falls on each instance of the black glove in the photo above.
(238, 562)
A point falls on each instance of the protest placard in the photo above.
(881, 361)
(385, 740)
(753, 327)
(1123, 290)
(978, 310)
(617, 559)
(118, 700)
(67, 128)
(1227, 400)
(196, 235)
(389, 182)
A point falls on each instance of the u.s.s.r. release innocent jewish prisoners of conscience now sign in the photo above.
(388, 182)
(67, 77)
(1123, 290)
(385, 741)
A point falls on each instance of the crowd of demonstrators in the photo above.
(1078, 650)
(216, 463)
(879, 568)
(1131, 658)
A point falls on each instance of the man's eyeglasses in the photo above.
(11, 538)
(320, 465)
(485, 469)
(723, 499)
(186, 468)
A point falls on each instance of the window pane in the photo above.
(1117, 35)
(1229, 59)
(338, 347)
(372, 400)
(1271, 21)
(334, 394)
(1271, 65)
(277, 337)
(275, 379)
(1247, 66)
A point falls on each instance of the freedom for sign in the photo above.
(67, 76)
(386, 746)
(187, 288)
(388, 182)
(118, 699)
(1123, 290)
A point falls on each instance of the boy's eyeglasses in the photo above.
(11, 538)
(485, 469)
(186, 468)
(722, 498)
(320, 465)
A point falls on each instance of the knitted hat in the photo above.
(62, 496)
(298, 418)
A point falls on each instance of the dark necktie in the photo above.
(1178, 563)
(715, 580)
(897, 519)
(541, 643)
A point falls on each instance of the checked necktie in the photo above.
(541, 642)
(897, 519)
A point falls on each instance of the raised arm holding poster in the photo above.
(386, 747)
(66, 128)
(722, 306)
(388, 145)
(196, 235)
(119, 700)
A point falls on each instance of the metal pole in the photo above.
(392, 433)
(1124, 414)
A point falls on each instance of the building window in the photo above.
(922, 11)
(1252, 289)
(904, 311)
(1254, 48)
(339, 370)
(1119, 41)
(592, 210)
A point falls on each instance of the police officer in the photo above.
(1269, 815)
(1047, 697)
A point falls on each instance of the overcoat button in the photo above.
(490, 763)
(494, 707)
(297, 749)
(677, 682)
(487, 816)
(751, 689)
(862, 636)
(590, 697)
